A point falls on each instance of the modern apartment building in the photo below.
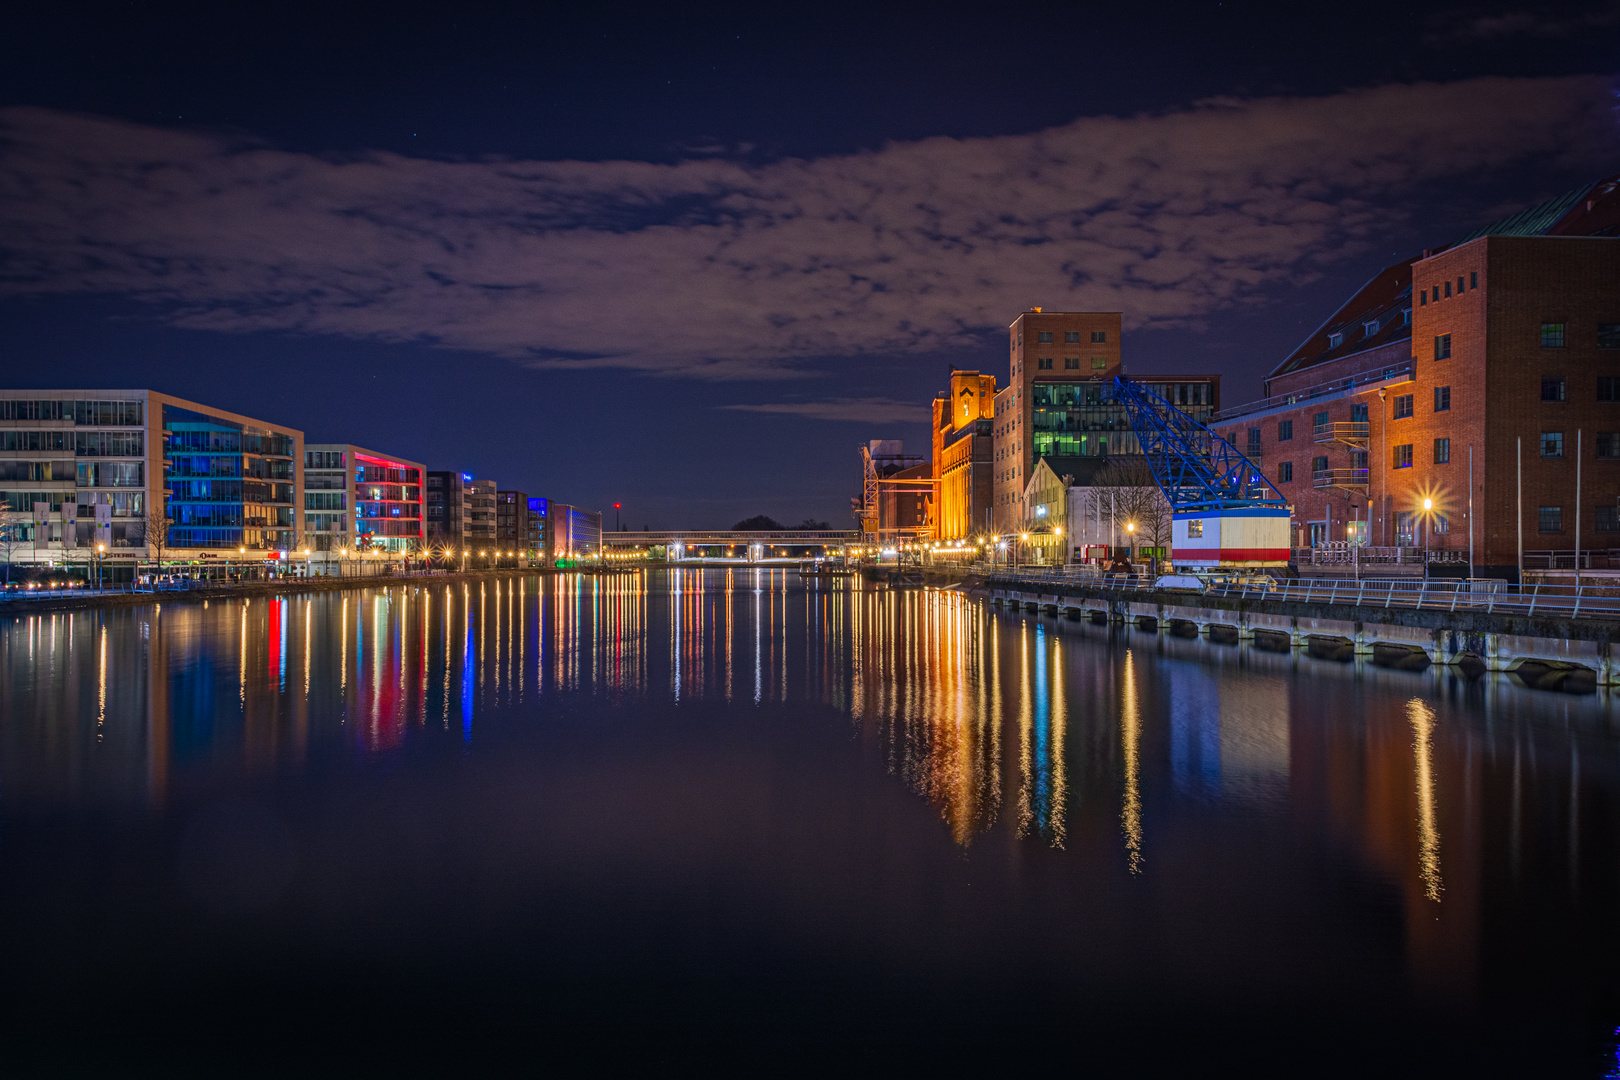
(520, 523)
(539, 539)
(1483, 378)
(448, 508)
(358, 499)
(125, 468)
(1054, 406)
(481, 515)
(964, 456)
(575, 533)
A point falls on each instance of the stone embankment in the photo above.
(1498, 640)
(281, 587)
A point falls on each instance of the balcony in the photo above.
(1344, 479)
(1352, 433)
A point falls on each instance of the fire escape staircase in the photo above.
(1354, 435)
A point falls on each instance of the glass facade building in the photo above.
(575, 533)
(357, 500)
(1071, 420)
(230, 484)
(82, 468)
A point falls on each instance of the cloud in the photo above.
(1510, 24)
(863, 410)
(727, 270)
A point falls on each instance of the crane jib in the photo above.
(1196, 469)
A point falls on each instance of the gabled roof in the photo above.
(1535, 221)
(1381, 306)
(1590, 210)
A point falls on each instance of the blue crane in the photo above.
(1195, 468)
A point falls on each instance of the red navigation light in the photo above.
(616, 506)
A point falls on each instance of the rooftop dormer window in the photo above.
(1370, 328)
(1335, 340)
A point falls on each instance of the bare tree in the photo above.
(155, 530)
(11, 526)
(1124, 490)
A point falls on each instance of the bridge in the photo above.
(734, 545)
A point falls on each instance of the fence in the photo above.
(1434, 594)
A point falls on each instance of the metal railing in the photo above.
(1309, 393)
(1489, 595)
(1356, 431)
(1601, 559)
(1327, 478)
(1339, 553)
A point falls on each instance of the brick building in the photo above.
(1498, 353)
(1055, 408)
(964, 456)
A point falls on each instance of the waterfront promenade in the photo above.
(1451, 621)
(42, 601)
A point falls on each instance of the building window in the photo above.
(1550, 519)
(1403, 456)
(1442, 347)
(1608, 444)
(1552, 335)
(1099, 337)
(1195, 529)
(1044, 364)
(1044, 337)
(1071, 363)
(1319, 421)
(1254, 440)
(1459, 284)
(1609, 335)
(1099, 363)
(1473, 279)
(1608, 388)
(1285, 473)
(1370, 328)
(1552, 444)
(1335, 340)
(1438, 522)
(1442, 451)
(1072, 337)
(1285, 430)
(1319, 464)
(1552, 388)
(1403, 406)
(1423, 298)
(1406, 316)
(1442, 399)
(1448, 289)
(1607, 519)
(1358, 413)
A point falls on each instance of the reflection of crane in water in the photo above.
(1225, 515)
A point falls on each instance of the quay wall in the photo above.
(1499, 641)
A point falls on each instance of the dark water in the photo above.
(719, 821)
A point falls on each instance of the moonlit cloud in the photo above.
(720, 269)
(1519, 23)
(863, 410)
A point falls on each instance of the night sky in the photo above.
(690, 262)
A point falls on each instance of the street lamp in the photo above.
(1428, 505)
(1130, 539)
(100, 548)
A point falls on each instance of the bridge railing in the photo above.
(1492, 596)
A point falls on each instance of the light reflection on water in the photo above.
(1127, 757)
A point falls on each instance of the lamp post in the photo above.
(1428, 505)
(1130, 540)
(100, 548)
